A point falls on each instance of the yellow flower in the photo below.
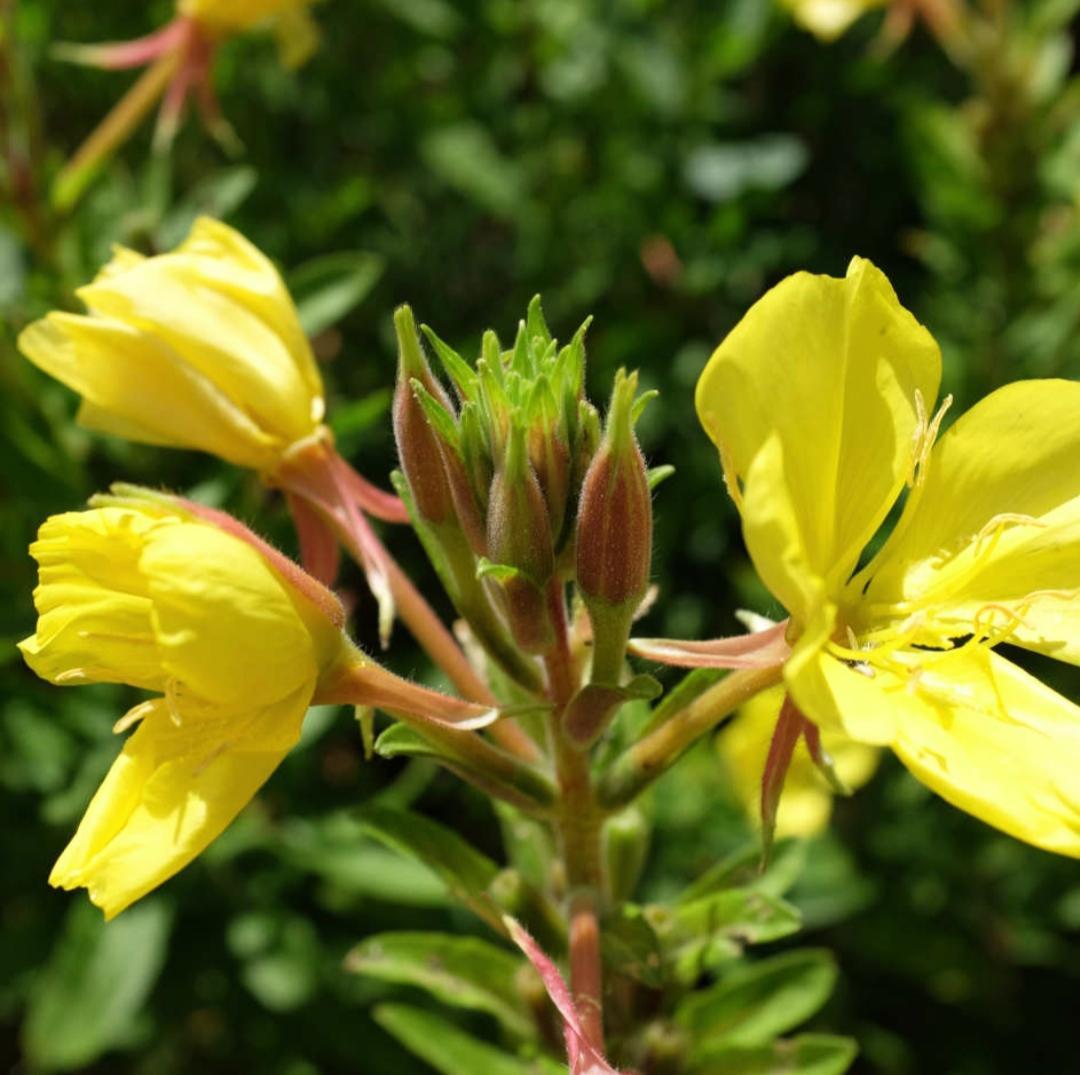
(234, 640)
(198, 348)
(296, 31)
(806, 805)
(148, 594)
(828, 19)
(819, 403)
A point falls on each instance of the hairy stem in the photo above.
(578, 824)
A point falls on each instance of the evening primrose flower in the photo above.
(197, 348)
(233, 640)
(179, 61)
(820, 403)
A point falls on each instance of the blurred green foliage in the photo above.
(657, 165)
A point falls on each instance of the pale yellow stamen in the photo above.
(133, 716)
(923, 437)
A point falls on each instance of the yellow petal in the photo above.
(996, 742)
(828, 19)
(171, 792)
(831, 367)
(979, 731)
(774, 537)
(226, 626)
(806, 802)
(221, 306)
(93, 603)
(134, 384)
(993, 533)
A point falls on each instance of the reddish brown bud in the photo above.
(550, 457)
(614, 527)
(417, 443)
(520, 546)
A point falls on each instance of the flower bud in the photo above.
(417, 443)
(520, 545)
(626, 845)
(614, 531)
(549, 454)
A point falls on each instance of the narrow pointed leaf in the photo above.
(808, 1054)
(754, 1003)
(465, 972)
(466, 872)
(448, 1049)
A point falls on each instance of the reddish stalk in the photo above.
(578, 826)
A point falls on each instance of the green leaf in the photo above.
(435, 17)
(466, 872)
(339, 850)
(702, 935)
(722, 171)
(399, 740)
(218, 195)
(631, 947)
(12, 269)
(96, 982)
(742, 869)
(350, 418)
(441, 423)
(457, 369)
(448, 1049)
(485, 569)
(754, 1003)
(280, 954)
(465, 156)
(808, 1054)
(329, 287)
(466, 972)
(656, 475)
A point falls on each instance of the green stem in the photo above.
(642, 763)
(578, 823)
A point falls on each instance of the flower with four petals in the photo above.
(820, 403)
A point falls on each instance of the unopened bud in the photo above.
(550, 457)
(614, 530)
(417, 443)
(520, 545)
(626, 845)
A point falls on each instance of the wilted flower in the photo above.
(179, 59)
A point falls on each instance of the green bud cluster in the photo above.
(502, 475)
